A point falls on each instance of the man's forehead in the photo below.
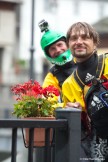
(79, 32)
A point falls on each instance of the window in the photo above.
(50, 5)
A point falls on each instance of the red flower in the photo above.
(50, 90)
(33, 88)
(34, 100)
(37, 89)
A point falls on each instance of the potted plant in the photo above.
(32, 101)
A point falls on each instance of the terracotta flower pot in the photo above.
(39, 133)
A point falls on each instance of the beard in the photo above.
(81, 54)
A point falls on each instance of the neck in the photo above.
(87, 63)
(79, 60)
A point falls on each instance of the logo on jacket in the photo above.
(88, 77)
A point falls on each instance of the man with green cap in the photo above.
(53, 43)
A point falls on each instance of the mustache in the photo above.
(77, 46)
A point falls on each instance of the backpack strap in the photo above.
(63, 72)
(57, 73)
(101, 60)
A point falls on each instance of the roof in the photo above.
(102, 25)
(12, 1)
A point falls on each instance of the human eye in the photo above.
(52, 48)
(60, 44)
(73, 38)
(85, 36)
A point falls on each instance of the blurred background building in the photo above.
(16, 29)
(19, 20)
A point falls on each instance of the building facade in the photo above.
(9, 39)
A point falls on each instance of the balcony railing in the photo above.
(67, 135)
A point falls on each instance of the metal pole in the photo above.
(30, 149)
(32, 42)
(14, 145)
(67, 142)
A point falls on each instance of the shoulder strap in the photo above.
(101, 60)
(52, 70)
(81, 84)
(63, 72)
(99, 71)
(57, 73)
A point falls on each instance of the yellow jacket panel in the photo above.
(50, 79)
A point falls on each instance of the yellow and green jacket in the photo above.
(57, 75)
(72, 92)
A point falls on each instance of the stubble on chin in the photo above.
(79, 55)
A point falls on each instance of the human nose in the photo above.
(58, 50)
(79, 40)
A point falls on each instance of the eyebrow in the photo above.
(80, 34)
